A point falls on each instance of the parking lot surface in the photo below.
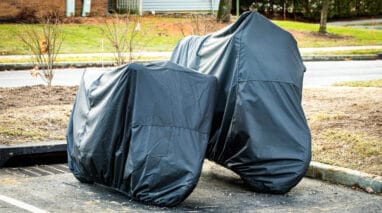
(54, 189)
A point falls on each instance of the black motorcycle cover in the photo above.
(259, 128)
(142, 130)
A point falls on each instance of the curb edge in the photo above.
(348, 177)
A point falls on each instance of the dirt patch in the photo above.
(346, 126)
(316, 35)
(346, 123)
(37, 113)
(36, 96)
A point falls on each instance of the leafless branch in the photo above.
(43, 43)
(124, 35)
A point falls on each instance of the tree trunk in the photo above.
(224, 13)
(357, 7)
(324, 16)
(294, 9)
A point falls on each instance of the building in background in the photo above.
(163, 6)
(12, 9)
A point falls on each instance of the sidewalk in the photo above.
(356, 22)
(343, 48)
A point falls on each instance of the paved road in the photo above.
(327, 73)
(219, 190)
(356, 22)
(318, 74)
(370, 23)
(66, 77)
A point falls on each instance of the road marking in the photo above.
(21, 204)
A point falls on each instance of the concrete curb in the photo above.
(344, 176)
(334, 174)
(61, 65)
(7, 152)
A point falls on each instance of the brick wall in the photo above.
(9, 9)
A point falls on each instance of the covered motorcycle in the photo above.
(259, 128)
(142, 130)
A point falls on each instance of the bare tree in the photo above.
(324, 16)
(43, 42)
(123, 34)
(197, 24)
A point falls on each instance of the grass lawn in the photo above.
(87, 38)
(162, 34)
(337, 36)
(372, 83)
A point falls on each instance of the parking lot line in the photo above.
(21, 204)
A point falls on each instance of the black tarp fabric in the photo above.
(259, 128)
(142, 130)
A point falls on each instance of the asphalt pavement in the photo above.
(219, 190)
(319, 73)
(327, 73)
